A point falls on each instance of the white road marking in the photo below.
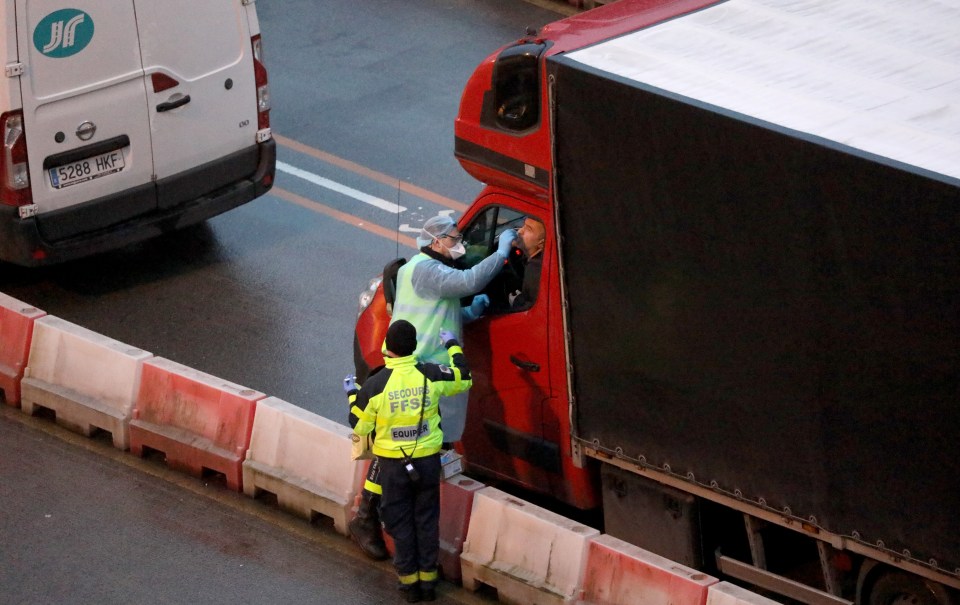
(342, 189)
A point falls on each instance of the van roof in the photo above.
(879, 76)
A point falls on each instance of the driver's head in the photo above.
(531, 237)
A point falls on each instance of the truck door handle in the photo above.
(173, 104)
(525, 365)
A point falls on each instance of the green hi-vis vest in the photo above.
(428, 315)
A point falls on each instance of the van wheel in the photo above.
(898, 588)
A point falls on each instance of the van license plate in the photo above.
(86, 169)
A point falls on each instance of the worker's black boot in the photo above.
(365, 527)
(410, 592)
(428, 591)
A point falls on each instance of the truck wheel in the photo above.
(898, 588)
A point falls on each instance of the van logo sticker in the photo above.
(63, 33)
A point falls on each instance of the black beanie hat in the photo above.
(401, 338)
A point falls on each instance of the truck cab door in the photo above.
(508, 352)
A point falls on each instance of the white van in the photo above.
(124, 119)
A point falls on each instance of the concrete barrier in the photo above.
(619, 573)
(456, 506)
(725, 593)
(198, 421)
(304, 459)
(16, 331)
(88, 380)
(529, 554)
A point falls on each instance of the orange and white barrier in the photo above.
(529, 554)
(16, 331)
(725, 593)
(456, 505)
(619, 573)
(198, 421)
(89, 380)
(304, 459)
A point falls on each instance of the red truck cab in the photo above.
(518, 425)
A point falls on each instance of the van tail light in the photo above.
(263, 89)
(14, 172)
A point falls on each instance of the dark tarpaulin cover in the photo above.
(763, 310)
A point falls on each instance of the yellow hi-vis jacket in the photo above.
(390, 403)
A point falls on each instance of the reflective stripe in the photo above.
(428, 576)
(362, 414)
(370, 486)
(409, 579)
(411, 308)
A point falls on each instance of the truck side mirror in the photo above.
(516, 86)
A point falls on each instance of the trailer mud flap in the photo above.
(656, 517)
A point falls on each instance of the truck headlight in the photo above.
(366, 297)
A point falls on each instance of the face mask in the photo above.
(457, 251)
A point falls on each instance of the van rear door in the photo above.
(84, 103)
(201, 91)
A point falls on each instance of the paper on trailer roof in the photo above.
(880, 76)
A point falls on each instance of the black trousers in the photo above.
(411, 513)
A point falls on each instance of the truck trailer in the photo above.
(746, 344)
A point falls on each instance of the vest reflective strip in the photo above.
(361, 414)
(412, 308)
(407, 420)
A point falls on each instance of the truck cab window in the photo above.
(480, 240)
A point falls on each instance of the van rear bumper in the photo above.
(24, 242)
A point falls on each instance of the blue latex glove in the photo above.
(476, 308)
(506, 241)
(350, 383)
(446, 336)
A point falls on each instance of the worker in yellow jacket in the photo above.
(400, 404)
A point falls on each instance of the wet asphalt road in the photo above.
(265, 295)
(85, 523)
